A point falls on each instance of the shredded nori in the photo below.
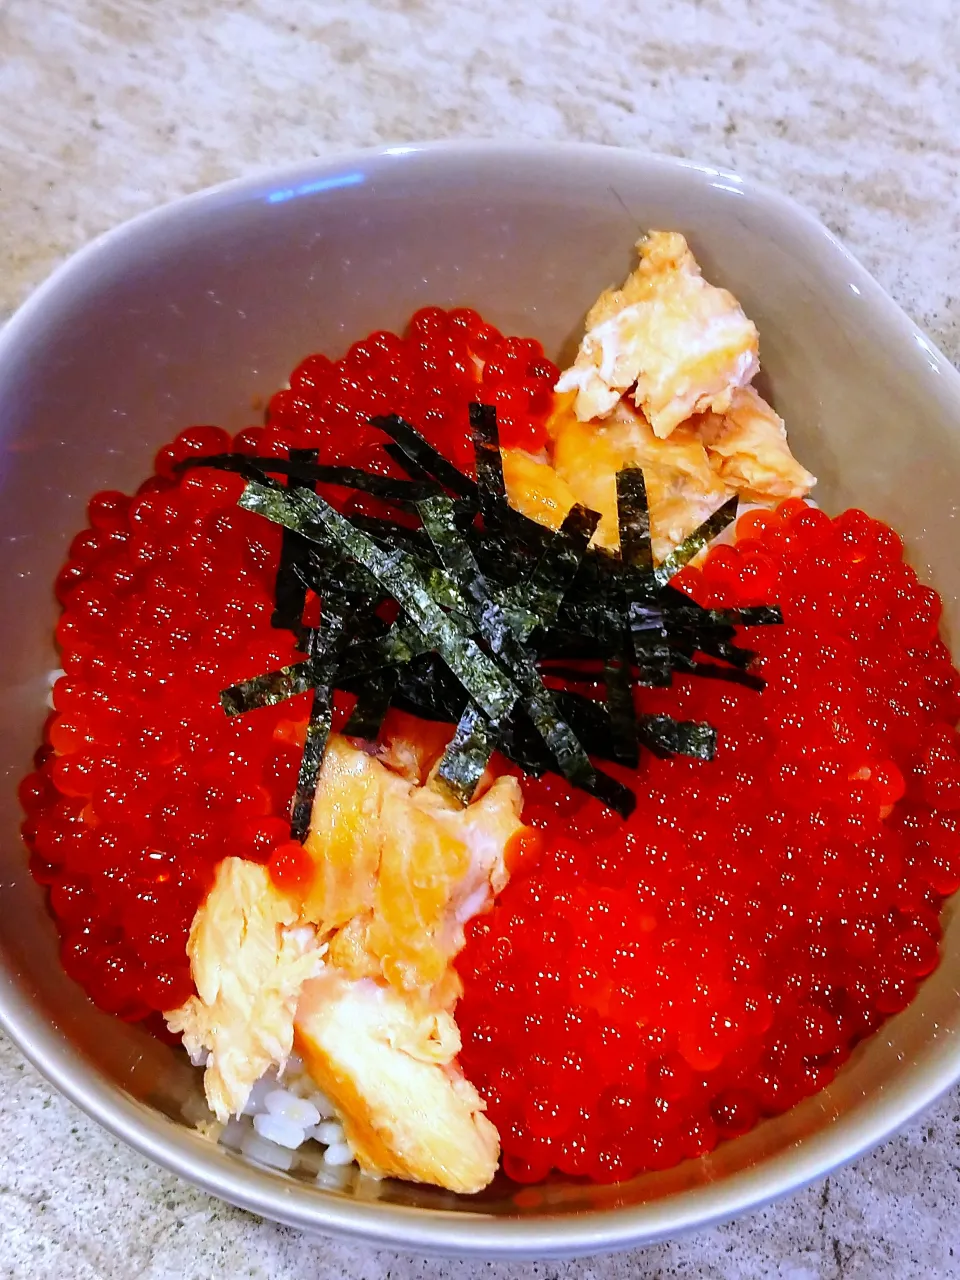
(290, 589)
(323, 659)
(486, 447)
(694, 542)
(621, 709)
(468, 753)
(410, 442)
(374, 695)
(467, 614)
(633, 516)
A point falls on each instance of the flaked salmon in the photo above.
(678, 344)
(390, 1068)
(250, 953)
(399, 869)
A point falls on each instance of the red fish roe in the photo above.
(642, 990)
(447, 359)
(652, 988)
(143, 784)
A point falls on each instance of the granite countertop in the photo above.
(108, 107)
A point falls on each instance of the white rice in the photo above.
(337, 1154)
(281, 1115)
(286, 1133)
(258, 1095)
(255, 1147)
(291, 1108)
(52, 678)
(329, 1133)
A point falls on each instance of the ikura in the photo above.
(143, 784)
(642, 990)
(652, 988)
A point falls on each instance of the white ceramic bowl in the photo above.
(185, 314)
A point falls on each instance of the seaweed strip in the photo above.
(408, 464)
(480, 676)
(716, 647)
(398, 646)
(453, 550)
(759, 615)
(666, 736)
(323, 660)
(267, 690)
(612, 793)
(429, 689)
(486, 447)
(544, 589)
(325, 571)
(684, 612)
(496, 628)
(412, 443)
(622, 712)
(290, 593)
(302, 467)
(468, 754)
(694, 542)
(711, 671)
(373, 702)
(649, 641)
(528, 594)
(633, 518)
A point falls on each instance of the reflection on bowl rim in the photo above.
(408, 1227)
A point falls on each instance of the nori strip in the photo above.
(303, 468)
(480, 676)
(543, 591)
(483, 607)
(267, 690)
(694, 542)
(497, 628)
(666, 736)
(373, 702)
(633, 517)
(290, 593)
(611, 793)
(648, 639)
(486, 447)
(413, 444)
(468, 754)
(413, 468)
(622, 712)
(323, 660)
(716, 647)
(323, 571)
(396, 647)
(429, 689)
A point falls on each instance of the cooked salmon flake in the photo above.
(678, 344)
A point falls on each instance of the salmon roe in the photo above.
(642, 990)
(653, 987)
(143, 785)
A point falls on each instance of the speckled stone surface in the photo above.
(108, 107)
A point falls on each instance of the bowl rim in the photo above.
(412, 1228)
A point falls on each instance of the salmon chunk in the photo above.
(678, 344)
(345, 834)
(389, 1066)
(536, 489)
(399, 866)
(249, 956)
(703, 462)
(747, 447)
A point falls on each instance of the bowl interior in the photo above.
(196, 313)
